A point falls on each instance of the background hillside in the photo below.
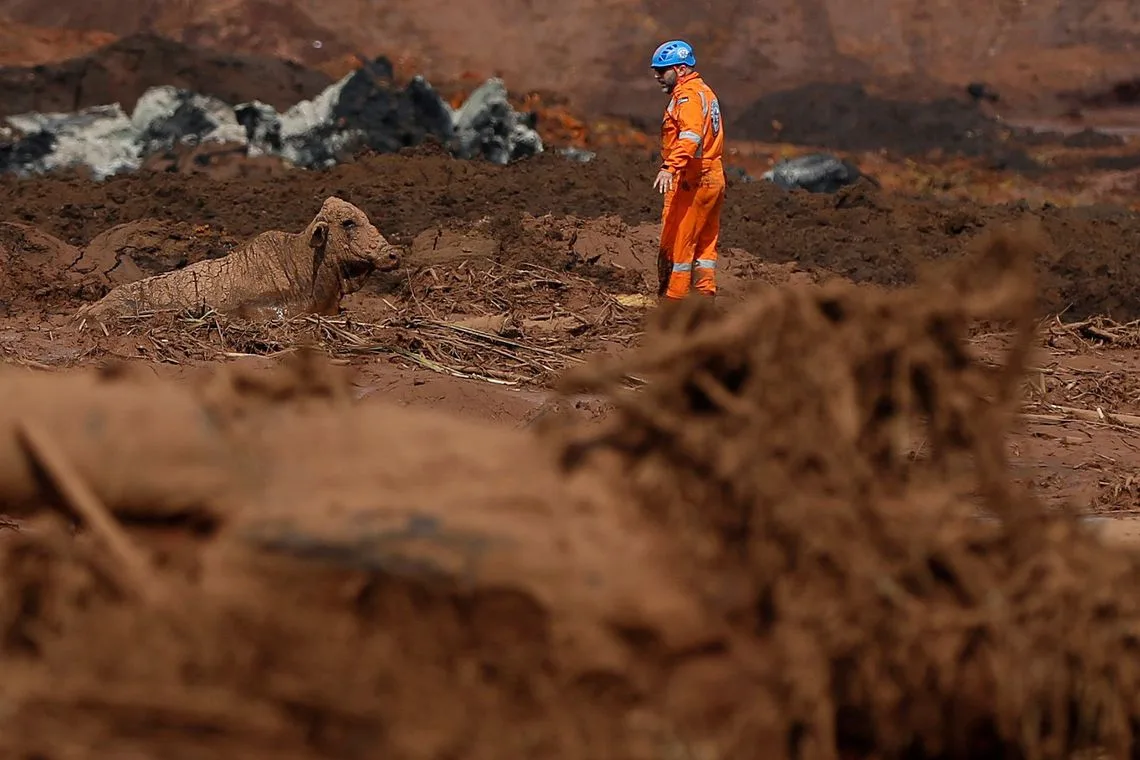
(594, 51)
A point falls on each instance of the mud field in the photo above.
(501, 507)
(880, 501)
(860, 233)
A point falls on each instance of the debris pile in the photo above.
(364, 110)
(816, 173)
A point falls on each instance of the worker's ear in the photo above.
(318, 234)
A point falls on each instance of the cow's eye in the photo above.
(348, 224)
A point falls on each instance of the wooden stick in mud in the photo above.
(132, 566)
(1071, 414)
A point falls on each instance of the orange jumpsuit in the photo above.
(692, 147)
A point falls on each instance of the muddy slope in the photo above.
(598, 50)
(847, 117)
(859, 233)
(125, 69)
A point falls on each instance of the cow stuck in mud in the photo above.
(275, 274)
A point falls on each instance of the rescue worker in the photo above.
(691, 175)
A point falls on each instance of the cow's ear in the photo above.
(318, 234)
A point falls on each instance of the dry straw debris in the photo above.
(505, 325)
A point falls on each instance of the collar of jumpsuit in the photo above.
(690, 229)
(684, 78)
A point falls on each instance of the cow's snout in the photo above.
(388, 259)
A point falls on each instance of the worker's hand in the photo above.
(664, 181)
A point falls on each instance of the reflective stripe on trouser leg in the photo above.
(680, 278)
(704, 276)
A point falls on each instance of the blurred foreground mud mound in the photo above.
(747, 555)
(720, 394)
(824, 451)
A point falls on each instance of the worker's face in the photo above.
(666, 77)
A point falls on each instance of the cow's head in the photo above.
(345, 241)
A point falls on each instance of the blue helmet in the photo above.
(673, 53)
